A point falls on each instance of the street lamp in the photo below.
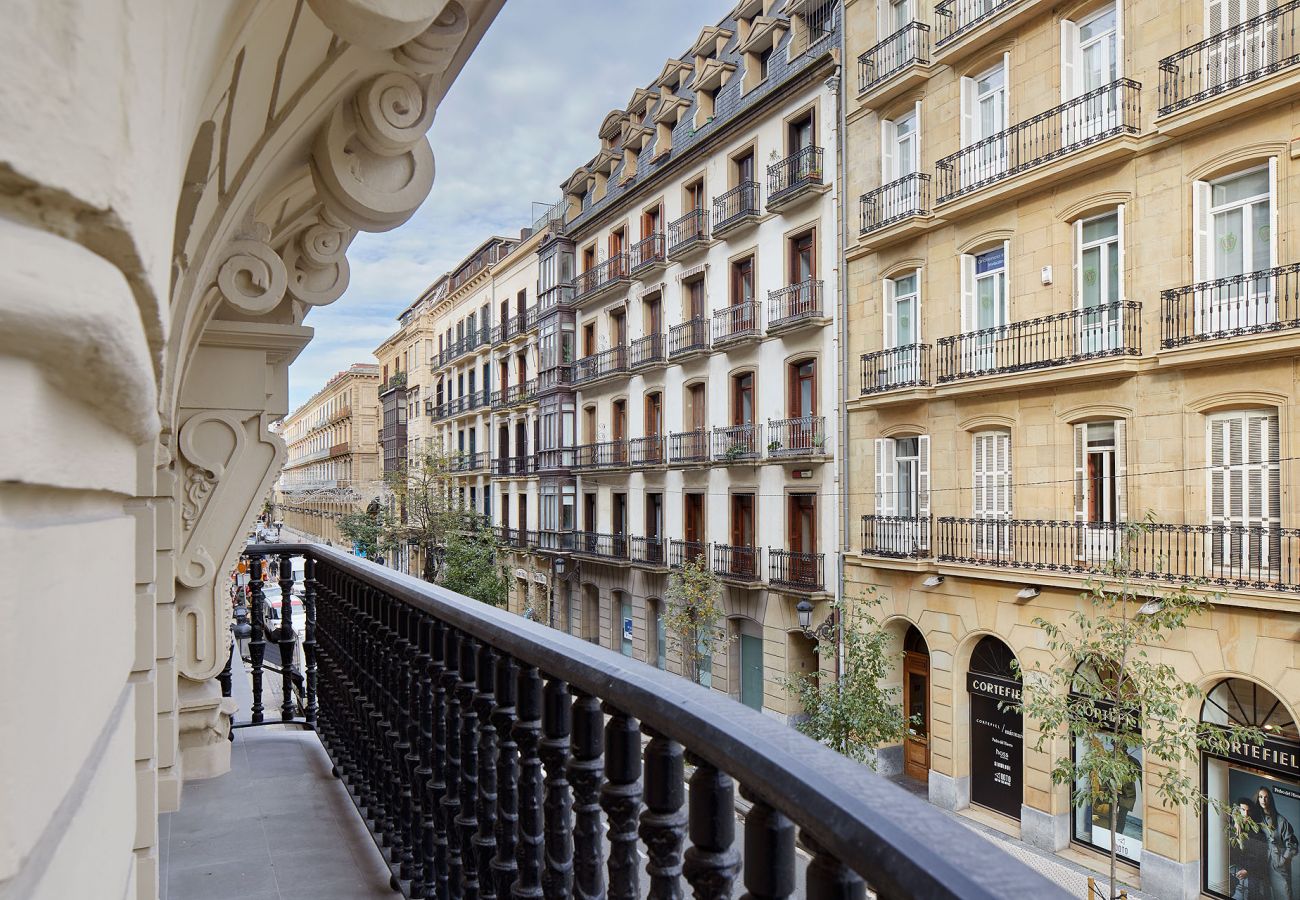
(823, 632)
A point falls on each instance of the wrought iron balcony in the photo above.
(1256, 303)
(736, 323)
(891, 203)
(737, 443)
(1235, 556)
(1096, 332)
(691, 336)
(646, 351)
(789, 178)
(1242, 54)
(687, 233)
(793, 570)
(516, 538)
(519, 393)
(605, 276)
(600, 365)
(1105, 112)
(794, 304)
(736, 207)
(601, 455)
(651, 551)
(738, 563)
(680, 552)
(646, 451)
(688, 446)
(955, 18)
(516, 325)
(522, 464)
(648, 253)
(907, 46)
(802, 436)
(896, 537)
(601, 546)
(469, 462)
(898, 367)
(555, 541)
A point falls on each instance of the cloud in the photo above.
(522, 115)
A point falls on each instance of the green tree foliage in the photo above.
(471, 562)
(691, 616)
(367, 530)
(423, 512)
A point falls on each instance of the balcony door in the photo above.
(801, 536)
(742, 293)
(654, 516)
(991, 488)
(1100, 504)
(650, 221)
(902, 308)
(984, 307)
(521, 503)
(695, 299)
(1245, 50)
(1090, 60)
(620, 515)
(903, 493)
(916, 702)
(1244, 497)
(1099, 284)
(589, 513)
(654, 414)
(693, 519)
(984, 122)
(695, 407)
(742, 399)
(1235, 247)
(743, 562)
(744, 170)
(652, 322)
(803, 269)
(899, 149)
(618, 325)
(618, 427)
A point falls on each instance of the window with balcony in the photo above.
(900, 145)
(991, 490)
(693, 293)
(985, 305)
(693, 195)
(742, 399)
(902, 310)
(983, 120)
(894, 15)
(1091, 59)
(901, 526)
(1235, 247)
(654, 414)
(1099, 281)
(1244, 497)
(1100, 491)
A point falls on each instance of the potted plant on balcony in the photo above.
(734, 452)
(773, 446)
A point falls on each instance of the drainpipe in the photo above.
(842, 319)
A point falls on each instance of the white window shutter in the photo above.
(1005, 312)
(1078, 263)
(1201, 250)
(891, 333)
(916, 314)
(1080, 472)
(1272, 211)
(1215, 20)
(1123, 273)
(916, 138)
(1006, 89)
(1120, 68)
(1121, 470)
(1003, 444)
(888, 147)
(923, 476)
(967, 111)
(1069, 50)
(886, 504)
(967, 292)
(979, 472)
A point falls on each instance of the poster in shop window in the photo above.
(996, 744)
(1266, 865)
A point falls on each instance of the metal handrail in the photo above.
(897, 367)
(735, 204)
(1261, 302)
(906, 46)
(899, 199)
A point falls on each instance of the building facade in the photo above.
(333, 465)
(1072, 239)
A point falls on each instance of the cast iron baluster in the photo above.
(451, 795)
(391, 749)
(286, 638)
(663, 824)
(585, 772)
(257, 640)
(309, 588)
(485, 840)
(467, 820)
(438, 787)
(827, 877)
(404, 758)
(769, 852)
(528, 729)
(711, 862)
(504, 868)
(557, 878)
(621, 799)
(424, 886)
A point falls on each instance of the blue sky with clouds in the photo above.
(520, 118)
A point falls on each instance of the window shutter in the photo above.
(1120, 68)
(1006, 89)
(967, 111)
(1272, 212)
(1003, 445)
(967, 292)
(1123, 276)
(923, 476)
(1080, 472)
(1004, 314)
(1078, 263)
(1069, 50)
(1201, 250)
(916, 136)
(1214, 17)
(1121, 470)
(891, 333)
(886, 504)
(888, 147)
(979, 472)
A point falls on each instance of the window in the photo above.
(799, 135)
(693, 195)
(903, 493)
(742, 281)
(652, 317)
(1092, 821)
(991, 463)
(764, 58)
(1244, 497)
(1099, 281)
(742, 520)
(743, 167)
(694, 291)
(801, 390)
(1236, 232)
(654, 414)
(903, 310)
(984, 115)
(742, 399)
(1100, 493)
(984, 305)
(900, 145)
(894, 17)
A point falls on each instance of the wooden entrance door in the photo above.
(916, 703)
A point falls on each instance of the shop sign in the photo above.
(996, 744)
(1274, 754)
(1003, 689)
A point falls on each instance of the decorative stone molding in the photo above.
(377, 24)
(252, 277)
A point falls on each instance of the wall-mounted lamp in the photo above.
(1028, 592)
(933, 581)
(825, 631)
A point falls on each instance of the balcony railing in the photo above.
(690, 229)
(799, 436)
(740, 563)
(647, 251)
(555, 541)
(897, 367)
(452, 724)
(688, 446)
(646, 351)
(602, 455)
(646, 451)
(1233, 556)
(518, 538)
(1255, 303)
(794, 303)
(688, 337)
(901, 199)
(800, 169)
(520, 392)
(469, 462)
(599, 365)
(602, 276)
(736, 204)
(649, 550)
(513, 326)
(896, 537)
(522, 464)
(1096, 332)
(737, 443)
(603, 546)
(956, 17)
(795, 570)
(906, 46)
(1243, 53)
(682, 552)
(736, 323)
(1105, 112)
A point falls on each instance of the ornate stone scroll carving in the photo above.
(317, 263)
(252, 277)
(377, 24)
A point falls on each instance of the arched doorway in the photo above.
(996, 735)
(916, 704)
(1261, 776)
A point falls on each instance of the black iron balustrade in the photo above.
(523, 464)
(1234, 556)
(896, 537)
(646, 451)
(600, 365)
(1239, 55)
(736, 323)
(554, 459)
(515, 325)
(518, 393)
(689, 337)
(555, 541)
(786, 177)
(1255, 303)
(897, 367)
(907, 46)
(739, 563)
(900, 199)
(648, 550)
(690, 230)
(503, 465)
(602, 276)
(795, 570)
(1102, 113)
(798, 436)
(1061, 339)
(794, 303)
(737, 443)
(646, 351)
(688, 446)
(647, 251)
(680, 552)
(469, 462)
(735, 205)
(600, 455)
(506, 536)
(956, 17)
(603, 546)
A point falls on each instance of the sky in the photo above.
(522, 115)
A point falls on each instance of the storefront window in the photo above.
(1093, 822)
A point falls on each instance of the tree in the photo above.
(367, 530)
(423, 515)
(691, 616)
(471, 563)
(1108, 697)
(860, 711)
